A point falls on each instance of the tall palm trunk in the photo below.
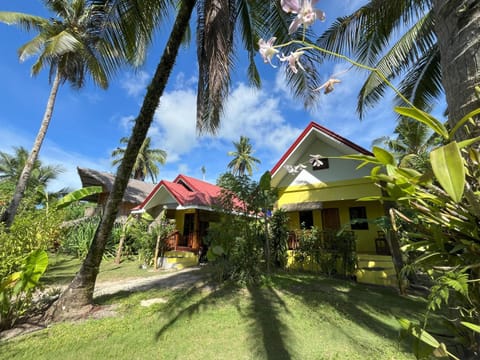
(457, 25)
(80, 291)
(9, 214)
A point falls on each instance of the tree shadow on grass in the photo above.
(362, 304)
(265, 309)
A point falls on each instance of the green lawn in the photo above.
(62, 268)
(295, 316)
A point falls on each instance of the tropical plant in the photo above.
(146, 162)
(441, 212)
(243, 161)
(429, 44)
(73, 44)
(279, 238)
(11, 166)
(412, 145)
(17, 288)
(37, 229)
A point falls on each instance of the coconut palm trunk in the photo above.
(457, 25)
(9, 214)
(79, 293)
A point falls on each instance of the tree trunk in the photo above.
(9, 214)
(80, 291)
(457, 25)
(118, 257)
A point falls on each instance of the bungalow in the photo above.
(135, 192)
(317, 188)
(191, 202)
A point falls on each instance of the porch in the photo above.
(369, 267)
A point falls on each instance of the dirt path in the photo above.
(185, 278)
(174, 280)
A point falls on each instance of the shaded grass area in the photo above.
(292, 316)
(62, 269)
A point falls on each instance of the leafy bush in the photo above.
(438, 214)
(235, 249)
(327, 251)
(279, 238)
(31, 230)
(16, 289)
(79, 237)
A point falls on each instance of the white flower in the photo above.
(328, 85)
(267, 51)
(293, 60)
(306, 15)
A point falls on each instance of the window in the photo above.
(358, 218)
(306, 219)
(321, 164)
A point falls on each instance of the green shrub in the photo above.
(279, 238)
(31, 230)
(16, 289)
(79, 237)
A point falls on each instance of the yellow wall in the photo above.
(339, 190)
(365, 239)
(180, 217)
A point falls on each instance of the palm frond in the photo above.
(215, 29)
(422, 84)
(249, 40)
(404, 54)
(24, 21)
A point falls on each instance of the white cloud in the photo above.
(257, 115)
(135, 83)
(173, 129)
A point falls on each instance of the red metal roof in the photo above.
(324, 130)
(188, 191)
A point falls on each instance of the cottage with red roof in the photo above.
(191, 202)
(319, 189)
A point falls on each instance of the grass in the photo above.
(292, 316)
(62, 268)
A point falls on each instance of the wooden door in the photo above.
(330, 219)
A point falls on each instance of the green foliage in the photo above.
(328, 251)
(241, 233)
(79, 237)
(17, 288)
(77, 195)
(437, 217)
(279, 238)
(143, 241)
(32, 230)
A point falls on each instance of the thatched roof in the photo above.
(135, 192)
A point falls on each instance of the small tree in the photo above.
(279, 238)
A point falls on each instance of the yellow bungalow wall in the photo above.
(341, 195)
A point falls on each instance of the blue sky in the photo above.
(87, 124)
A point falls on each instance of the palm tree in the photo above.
(412, 145)
(243, 161)
(436, 52)
(11, 167)
(146, 162)
(216, 20)
(73, 45)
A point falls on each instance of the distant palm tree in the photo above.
(74, 44)
(11, 167)
(243, 161)
(412, 145)
(146, 162)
